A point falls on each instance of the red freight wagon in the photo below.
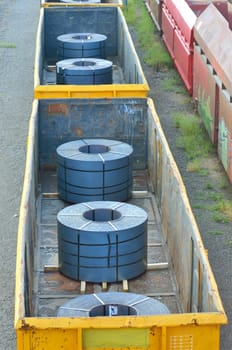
(177, 25)
(212, 80)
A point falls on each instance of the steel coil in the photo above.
(81, 45)
(102, 241)
(94, 169)
(111, 304)
(84, 71)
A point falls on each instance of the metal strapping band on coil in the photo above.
(94, 169)
(84, 71)
(81, 45)
(111, 304)
(102, 241)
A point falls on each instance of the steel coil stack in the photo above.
(81, 45)
(102, 241)
(112, 304)
(84, 71)
(94, 169)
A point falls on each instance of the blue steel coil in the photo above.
(81, 45)
(94, 169)
(102, 241)
(84, 71)
(112, 304)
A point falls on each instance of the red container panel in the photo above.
(183, 57)
(177, 24)
(168, 27)
(184, 18)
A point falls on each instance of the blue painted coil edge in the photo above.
(84, 71)
(93, 191)
(102, 241)
(94, 169)
(111, 304)
(73, 220)
(81, 45)
(94, 178)
(106, 261)
(104, 153)
(70, 197)
(104, 274)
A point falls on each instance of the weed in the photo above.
(224, 184)
(222, 208)
(6, 45)
(203, 172)
(220, 218)
(148, 38)
(173, 84)
(192, 138)
(157, 57)
(217, 197)
(209, 186)
(194, 166)
(216, 233)
(199, 206)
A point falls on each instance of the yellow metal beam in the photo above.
(172, 320)
(91, 91)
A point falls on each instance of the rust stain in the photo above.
(26, 326)
(78, 132)
(58, 108)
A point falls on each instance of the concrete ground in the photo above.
(18, 24)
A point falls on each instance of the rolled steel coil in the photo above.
(102, 241)
(94, 169)
(84, 71)
(111, 304)
(81, 45)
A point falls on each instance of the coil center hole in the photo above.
(112, 310)
(82, 37)
(94, 149)
(84, 63)
(102, 214)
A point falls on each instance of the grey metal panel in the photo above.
(59, 21)
(65, 120)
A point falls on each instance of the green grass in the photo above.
(192, 138)
(7, 45)
(173, 83)
(222, 208)
(216, 233)
(148, 37)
